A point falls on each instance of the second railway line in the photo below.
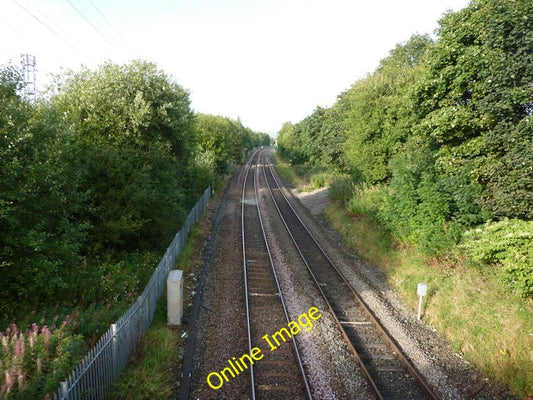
(388, 373)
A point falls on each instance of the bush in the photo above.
(417, 209)
(320, 180)
(507, 248)
(368, 200)
(341, 188)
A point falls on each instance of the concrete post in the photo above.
(175, 297)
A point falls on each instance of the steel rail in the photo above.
(272, 271)
(247, 169)
(369, 314)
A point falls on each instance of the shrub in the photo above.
(341, 188)
(368, 200)
(417, 209)
(507, 248)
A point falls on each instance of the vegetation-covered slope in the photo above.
(95, 179)
(431, 158)
(444, 130)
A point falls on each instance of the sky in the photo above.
(264, 61)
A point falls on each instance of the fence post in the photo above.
(64, 390)
(114, 351)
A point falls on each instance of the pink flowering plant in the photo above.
(34, 360)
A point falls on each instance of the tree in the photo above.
(331, 139)
(14, 114)
(316, 140)
(101, 171)
(471, 112)
(40, 237)
(134, 133)
(377, 118)
(213, 139)
(224, 140)
(475, 105)
(287, 143)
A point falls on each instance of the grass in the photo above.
(289, 173)
(485, 323)
(303, 178)
(155, 367)
(491, 328)
(149, 375)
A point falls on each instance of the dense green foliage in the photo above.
(442, 128)
(223, 141)
(99, 168)
(95, 179)
(377, 120)
(316, 140)
(506, 245)
(108, 165)
(134, 138)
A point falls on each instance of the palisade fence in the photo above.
(95, 374)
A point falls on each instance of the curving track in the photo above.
(279, 374)
(390, 374)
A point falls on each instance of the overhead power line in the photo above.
(45, 24)
(91, 24)
(111, 25)
(57, 27)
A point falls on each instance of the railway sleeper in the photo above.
(264, 294)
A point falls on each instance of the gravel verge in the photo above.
(221, 323)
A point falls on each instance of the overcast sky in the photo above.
(264, 61)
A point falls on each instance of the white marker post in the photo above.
(175, 297)
(421, 290)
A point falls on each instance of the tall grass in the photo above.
(288, 172)
(320, 180)
(341, 189)
(151, 373)
(367, 200)
(303, 177)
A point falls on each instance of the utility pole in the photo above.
(29, 72)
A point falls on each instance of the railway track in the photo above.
(279, 374)
(389, 373)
